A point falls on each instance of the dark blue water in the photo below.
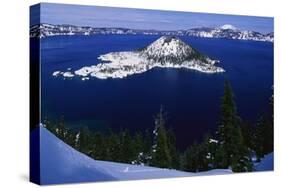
(191, 98)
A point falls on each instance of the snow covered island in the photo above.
(165, 52)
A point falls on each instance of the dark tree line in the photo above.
(232, 146)
(119, 147)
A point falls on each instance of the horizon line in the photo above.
(105, 27)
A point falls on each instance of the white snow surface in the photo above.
(228, 26)
(56, 73)
(60, 163)
(123, 64)
(213, 141)
(68, 74)
(174, 47)
(266, 163)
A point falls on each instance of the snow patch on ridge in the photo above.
(228, 26)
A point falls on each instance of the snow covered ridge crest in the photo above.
(165, 52)
(225, 31)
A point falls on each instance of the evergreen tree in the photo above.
(191, 159)
(234, 152)
(175, 155)
(221, 160)
(84, 142)
(61, 129)
(197, 157)
(138, 143)
(70, 137)
(210, 146)
(113, 148)
(49, 125)
(248, 135)
(98, 147)
(160, 150)
(147, 142)
(127, 148)
(263, 137)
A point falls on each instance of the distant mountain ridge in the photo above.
(226, 31)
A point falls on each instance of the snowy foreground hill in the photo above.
(266, 163)
(226, 31)
(60, 163)
(165, 52)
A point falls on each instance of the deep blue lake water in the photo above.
(191, 99)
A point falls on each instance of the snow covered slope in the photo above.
(168, 48)
(266, 163)
(60, 163)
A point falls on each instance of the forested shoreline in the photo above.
(234, 145)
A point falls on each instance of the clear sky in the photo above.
(144, 19)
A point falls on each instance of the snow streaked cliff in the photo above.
(166, 52)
